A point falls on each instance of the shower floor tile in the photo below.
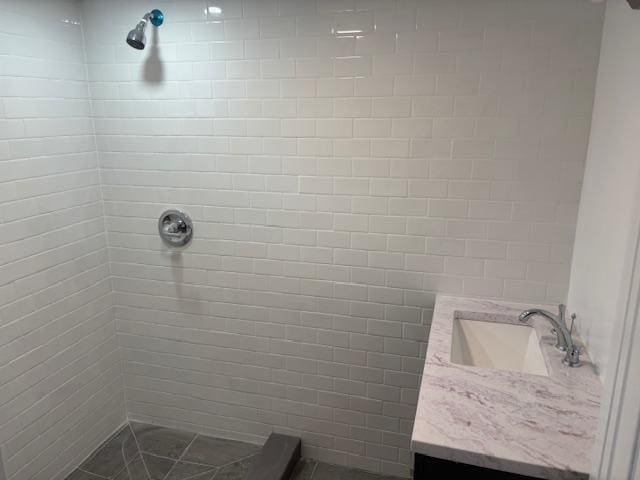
(160, 441)
(313, 470)
(147, 452)
(218, 452)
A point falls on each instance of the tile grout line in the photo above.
(126, 464)
(181, 455)
(213, 467)
(144, 464)
(313, 470)
(200, 463)
(94, 474)
(242, 459)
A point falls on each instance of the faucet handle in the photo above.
(562, 309)
(559, 345)
(573, 320)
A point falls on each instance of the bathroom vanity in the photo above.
(496, 400)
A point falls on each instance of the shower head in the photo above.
(136, 37)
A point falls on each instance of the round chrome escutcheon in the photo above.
(175, 228)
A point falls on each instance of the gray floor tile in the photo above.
(202, 476)
(165, 442)
(113, 455)
(218, 452)
(325, 471)
(303, 469)
(80, 475)
(135, 470)
(206, 458)
(158, 467)
(183, 470)
(235, 471)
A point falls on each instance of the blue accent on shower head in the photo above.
(156, 18)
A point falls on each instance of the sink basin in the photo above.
(501, 346)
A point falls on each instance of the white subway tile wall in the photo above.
(60, 376)
(343, 161)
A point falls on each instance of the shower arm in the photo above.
(156, 17)
(145, 18)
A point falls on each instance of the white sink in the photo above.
(502, 346)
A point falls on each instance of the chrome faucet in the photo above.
(564, 341)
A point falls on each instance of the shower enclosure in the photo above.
(341, 162)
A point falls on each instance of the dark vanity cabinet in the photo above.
(430, 468)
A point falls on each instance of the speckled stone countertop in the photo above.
(521, 423)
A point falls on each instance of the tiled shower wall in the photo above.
(343, 161)
(60, 387)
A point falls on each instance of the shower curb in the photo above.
(277, 459)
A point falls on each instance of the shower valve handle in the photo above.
(175, 228)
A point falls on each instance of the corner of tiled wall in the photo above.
(60, 372)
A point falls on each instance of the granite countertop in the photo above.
(509, 421)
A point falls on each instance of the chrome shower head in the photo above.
(136, 37)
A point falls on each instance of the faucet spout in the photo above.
(556, 321)
(564, 341)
